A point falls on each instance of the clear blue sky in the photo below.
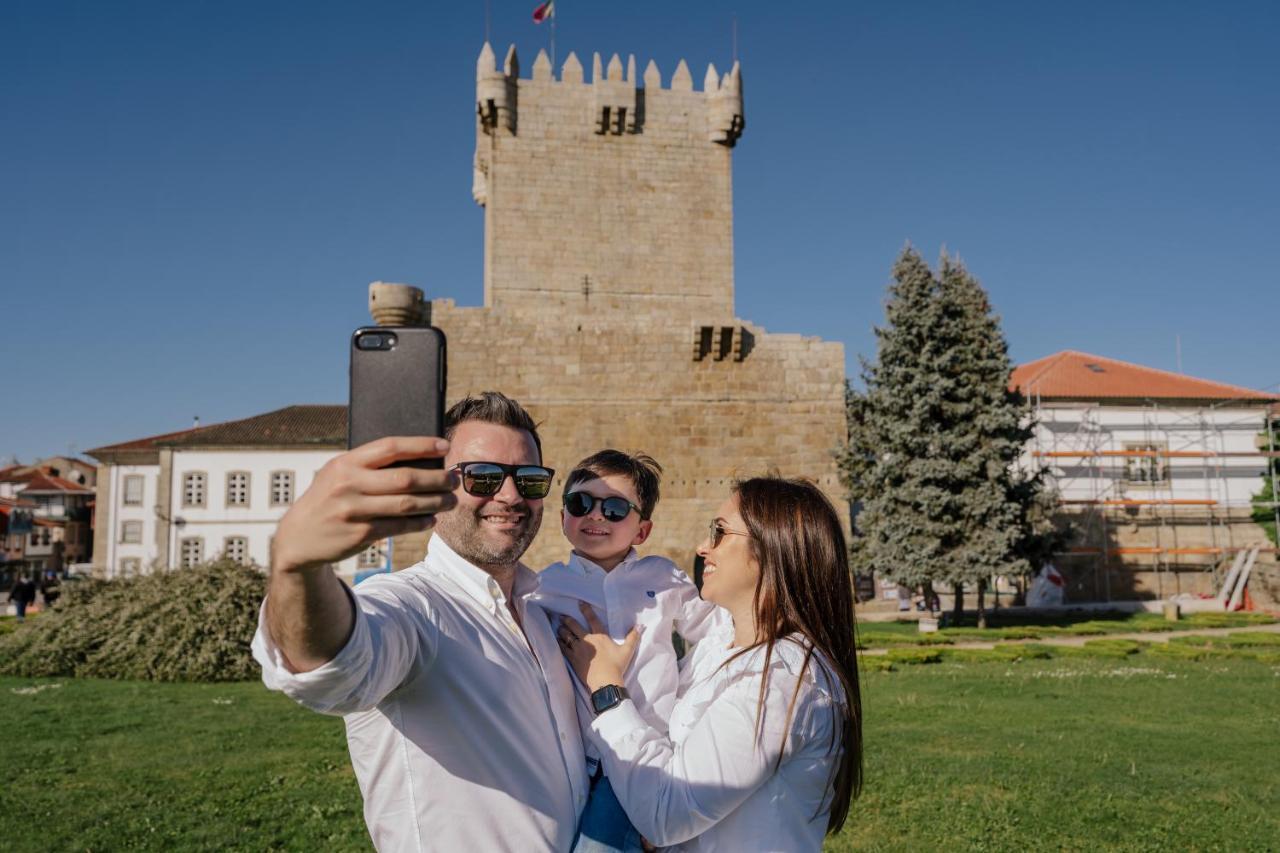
(195, 195)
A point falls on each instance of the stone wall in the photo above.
(609, 295)
(1189, 540)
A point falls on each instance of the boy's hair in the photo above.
(491, 407)
(641, 469)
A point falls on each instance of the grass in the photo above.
(1135, 752)
(1005, 626)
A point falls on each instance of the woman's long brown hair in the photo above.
(805, 588)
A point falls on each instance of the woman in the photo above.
(764, 750)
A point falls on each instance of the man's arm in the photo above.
(355, 500)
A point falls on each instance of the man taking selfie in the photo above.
(459, 710)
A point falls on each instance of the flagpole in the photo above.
(555, 13)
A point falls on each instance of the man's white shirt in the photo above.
(463, 735)
(651, 593)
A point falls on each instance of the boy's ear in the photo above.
(646, 527)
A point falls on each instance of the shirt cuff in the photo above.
(616, 725)
(328, 684)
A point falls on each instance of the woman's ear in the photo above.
(646, 527)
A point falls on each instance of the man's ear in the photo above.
(646, 527)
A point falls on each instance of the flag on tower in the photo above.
(544, 11)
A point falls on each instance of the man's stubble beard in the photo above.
(463, 530)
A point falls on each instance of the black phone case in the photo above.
(398, 391)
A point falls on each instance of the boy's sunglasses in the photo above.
(718, 532)
(613, 508)
(485, 479)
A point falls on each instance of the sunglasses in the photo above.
(613, 508)
(718, 532)
(485, 479)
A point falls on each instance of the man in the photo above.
(459, 709)
(22, 594)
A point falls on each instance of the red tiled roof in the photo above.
(50, 483)
(20, 474)
(1081, 376)
(148, 443)
(308, 425)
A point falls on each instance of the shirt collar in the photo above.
(478, 583)
(583, 566)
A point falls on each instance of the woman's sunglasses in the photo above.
(613, 508)
(485, 479)
(718, 532)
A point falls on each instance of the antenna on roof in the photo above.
(196, 425)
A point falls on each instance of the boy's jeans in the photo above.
(605, 827)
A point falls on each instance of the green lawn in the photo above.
(1137, 753)
(1015, 625)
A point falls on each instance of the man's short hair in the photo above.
(491, 407)
(641, 469)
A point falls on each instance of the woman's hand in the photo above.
(592, 653)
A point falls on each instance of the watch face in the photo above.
(606, 697)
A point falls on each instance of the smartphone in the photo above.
(397, 385)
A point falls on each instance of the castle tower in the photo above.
(617, 187)
(608, 307)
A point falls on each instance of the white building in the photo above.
(175, 500)
(1157, 470)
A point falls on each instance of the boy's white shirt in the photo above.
(651, 593)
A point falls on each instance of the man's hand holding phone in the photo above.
(356, 500)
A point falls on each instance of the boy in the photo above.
(608, 500)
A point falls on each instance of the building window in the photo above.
(193, 488)
(130, 567)
(133, 490)
(373, 557)
(131, 533)
(236, 549)
(238, 488)
(192, 552)
(1147, 466)
(281, 488)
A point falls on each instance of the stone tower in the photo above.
(608, 291)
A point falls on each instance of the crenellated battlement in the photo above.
(604, 189)
(619, 99)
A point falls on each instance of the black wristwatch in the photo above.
(609, 696)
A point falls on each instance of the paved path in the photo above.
(1079, 640)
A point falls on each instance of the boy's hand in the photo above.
(356, 500)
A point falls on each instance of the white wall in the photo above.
(1230, 481)
(145, 512)
(216, 521)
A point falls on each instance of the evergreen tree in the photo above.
(935, 441)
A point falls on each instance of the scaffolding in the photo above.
(1097, 477)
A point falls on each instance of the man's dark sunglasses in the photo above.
(613, 508)
(485, 479)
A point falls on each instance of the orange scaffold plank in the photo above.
(1151, 454)
(1144, 502)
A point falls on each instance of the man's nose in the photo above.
(508, 494)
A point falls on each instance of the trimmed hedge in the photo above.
(185, 625)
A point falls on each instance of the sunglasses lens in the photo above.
(533, 482)
(578, 504)
(717, 534)
(482, 479)
(614, 509)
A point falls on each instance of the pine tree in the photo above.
(935, 441)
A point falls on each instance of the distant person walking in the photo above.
(21, 595)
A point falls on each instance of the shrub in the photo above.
(1110, 648)
(187, 625)
(914, 656)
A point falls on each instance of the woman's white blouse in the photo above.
(712, 784)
